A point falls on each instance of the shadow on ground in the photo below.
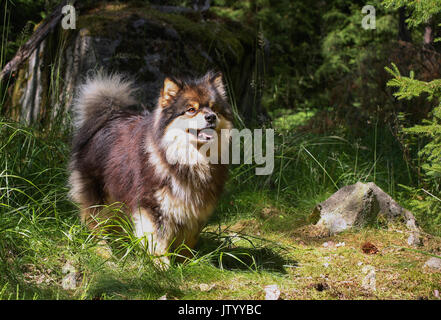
(225, 255)
(110, 286)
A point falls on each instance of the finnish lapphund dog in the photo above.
(150, 162)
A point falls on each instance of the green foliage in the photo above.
(429, 131)
(353, 62)
(286, 119)
(421, 10)
(290, 41)
(347, 44)
(426, 198)
(409, 87)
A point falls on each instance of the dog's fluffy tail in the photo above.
(100, 94)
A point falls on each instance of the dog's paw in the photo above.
(161, 263)
(103, 250)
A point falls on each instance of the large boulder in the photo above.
(137, 39)
(359, 205)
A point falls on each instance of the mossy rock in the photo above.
(360, 205)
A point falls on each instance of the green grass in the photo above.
(256, 237)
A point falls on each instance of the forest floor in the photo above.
(237, 261)
(305, 265)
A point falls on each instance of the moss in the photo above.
(314, 217)
(97, 25)
(17, 93)
(210, 34)
(285, 119)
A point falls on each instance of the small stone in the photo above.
(206, 287)
(369, 281)
(329, 244)
(69, 282)
(433, 263)
(272, 292)
(414, 239)
(340, 244)
(68, 268)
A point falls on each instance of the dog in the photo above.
(150, 162)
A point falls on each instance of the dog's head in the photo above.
(192, 112)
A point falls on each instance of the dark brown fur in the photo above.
(111, 163)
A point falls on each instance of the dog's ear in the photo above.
(218, 84)
(169, 91)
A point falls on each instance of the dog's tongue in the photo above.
(205, 135)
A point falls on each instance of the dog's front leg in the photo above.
(146, 229)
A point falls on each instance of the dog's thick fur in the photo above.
(141, 159)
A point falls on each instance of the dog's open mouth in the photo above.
(203, 135)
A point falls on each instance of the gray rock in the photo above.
(138, 23)
(272, 292)
(415, 239)
(433, 263)
(69, 281)
(359, 205)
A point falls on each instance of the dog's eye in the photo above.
(191, 110)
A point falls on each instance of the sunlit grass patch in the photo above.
(284, 119)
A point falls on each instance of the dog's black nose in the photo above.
(210, 117)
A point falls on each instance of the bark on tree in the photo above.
(403, 30)
(34, 41)
(428, 35)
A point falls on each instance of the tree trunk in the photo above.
(428, 35)
(403, 29)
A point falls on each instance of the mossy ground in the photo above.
(304, 268)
